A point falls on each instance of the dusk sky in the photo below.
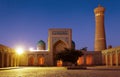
(25, 22)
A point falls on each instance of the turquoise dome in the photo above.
(41, 42)
(73, 44)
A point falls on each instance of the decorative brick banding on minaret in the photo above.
(100, 38)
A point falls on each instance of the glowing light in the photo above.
(31, 49)
(19, 50)
(39, 50)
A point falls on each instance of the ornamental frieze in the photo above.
(55, 39)
(60, 33)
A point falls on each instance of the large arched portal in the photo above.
(58, 46)
(31, 61)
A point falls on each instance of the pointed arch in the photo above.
(59, 46)
(103, 59)
(80, 60)
(31, 61)
(10, 60)
(89, 59)
(114, 58)
(5, 59)
(41, 60)
(14, 58)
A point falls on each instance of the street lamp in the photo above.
(19, 51)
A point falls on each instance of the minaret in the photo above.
(100, 39)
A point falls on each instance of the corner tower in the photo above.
(100, 39)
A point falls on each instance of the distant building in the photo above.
(111, 56)
(7, 57)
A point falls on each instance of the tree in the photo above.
(69, 55)
(85, 48)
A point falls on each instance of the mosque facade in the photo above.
(60, 38)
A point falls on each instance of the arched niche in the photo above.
(80, 60)
(5, 59)
(31, 61)
(41, 60)
(114, 58)
(14, 60)
(89, 60)
(10, 60)
(103, 60)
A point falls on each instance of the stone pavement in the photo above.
(104, 68)
(58, 72)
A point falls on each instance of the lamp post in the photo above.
(19, 51)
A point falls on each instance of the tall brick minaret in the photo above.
(100, 39)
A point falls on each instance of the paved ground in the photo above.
(58, 72)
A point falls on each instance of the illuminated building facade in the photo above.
(8, 57)
(58, 39)
(61, 38)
